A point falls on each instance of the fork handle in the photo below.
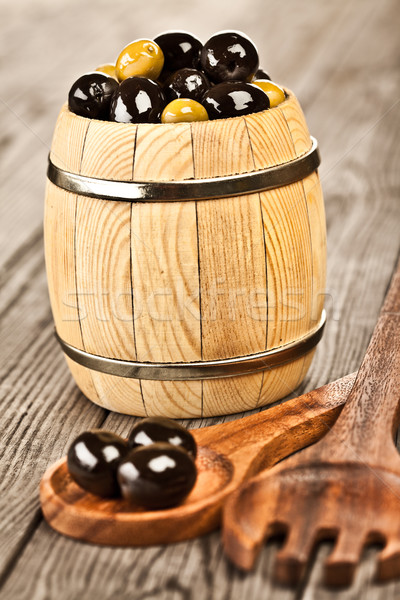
(366, 426)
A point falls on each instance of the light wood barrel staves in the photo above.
(191, 280)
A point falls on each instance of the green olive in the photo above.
(141, 58)
(275, 93)
(184, 110)
(108, 69)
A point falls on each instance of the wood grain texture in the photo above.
(336, 56)
(103, 275)
(231, 263)
(109, 150)
(59, 235)
(316, 218)
(271, 142)
(85, 380)
(165, 270)
(297, 125)
(372, 417)
(282, 381)
(60, 241)
(346, 487)
(104, 288)
(68, 140)
(289, 263)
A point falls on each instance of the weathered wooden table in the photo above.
(342, 60)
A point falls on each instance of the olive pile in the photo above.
(174, 78)
(154, 469)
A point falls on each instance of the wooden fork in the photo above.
(346, 486)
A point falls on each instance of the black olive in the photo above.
(186, 83)
(91, 94)
(261, 74)
(157, 476)
(181, 49)
(137, 100)
(229, 56)
(234, 99)
(93, 459)
(164, 75)
(160, 429)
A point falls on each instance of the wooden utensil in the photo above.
(347, 486)
(227, 454)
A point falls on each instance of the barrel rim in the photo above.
(198, 370)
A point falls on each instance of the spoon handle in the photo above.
(366, 426)
(259, 441)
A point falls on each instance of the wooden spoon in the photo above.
(347, 486)
(227, 454)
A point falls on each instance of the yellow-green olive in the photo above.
(275, 93)
(108, 69)
(141, 58)
(184, 110)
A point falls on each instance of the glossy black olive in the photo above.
(157, 476)
(137, 100)
(229, 56)
(160, 429)
(93, 459)
(234, 99)
(186, 83)
(91, 94)
(261, 74)
(181, 49)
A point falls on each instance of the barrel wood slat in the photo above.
(165, 270)
(104, 150)
(271, 144)
(232, 264)
(104, 283)
(198, 280)
(292, 217)
(59, 234)
(297, 125)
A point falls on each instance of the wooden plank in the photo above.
(316, 218)
(60, 238)
(165, 271)
(232, 265)
(103, 268)
(270, 144)
(294, 232)
(103, 279)
(287, 235)
(109, 151)
(287, 238)
(297, 125)
(68, 140)
(41, 408)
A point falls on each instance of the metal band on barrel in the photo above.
(190, 189)
(210, 369)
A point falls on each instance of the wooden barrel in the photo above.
(193, 306)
